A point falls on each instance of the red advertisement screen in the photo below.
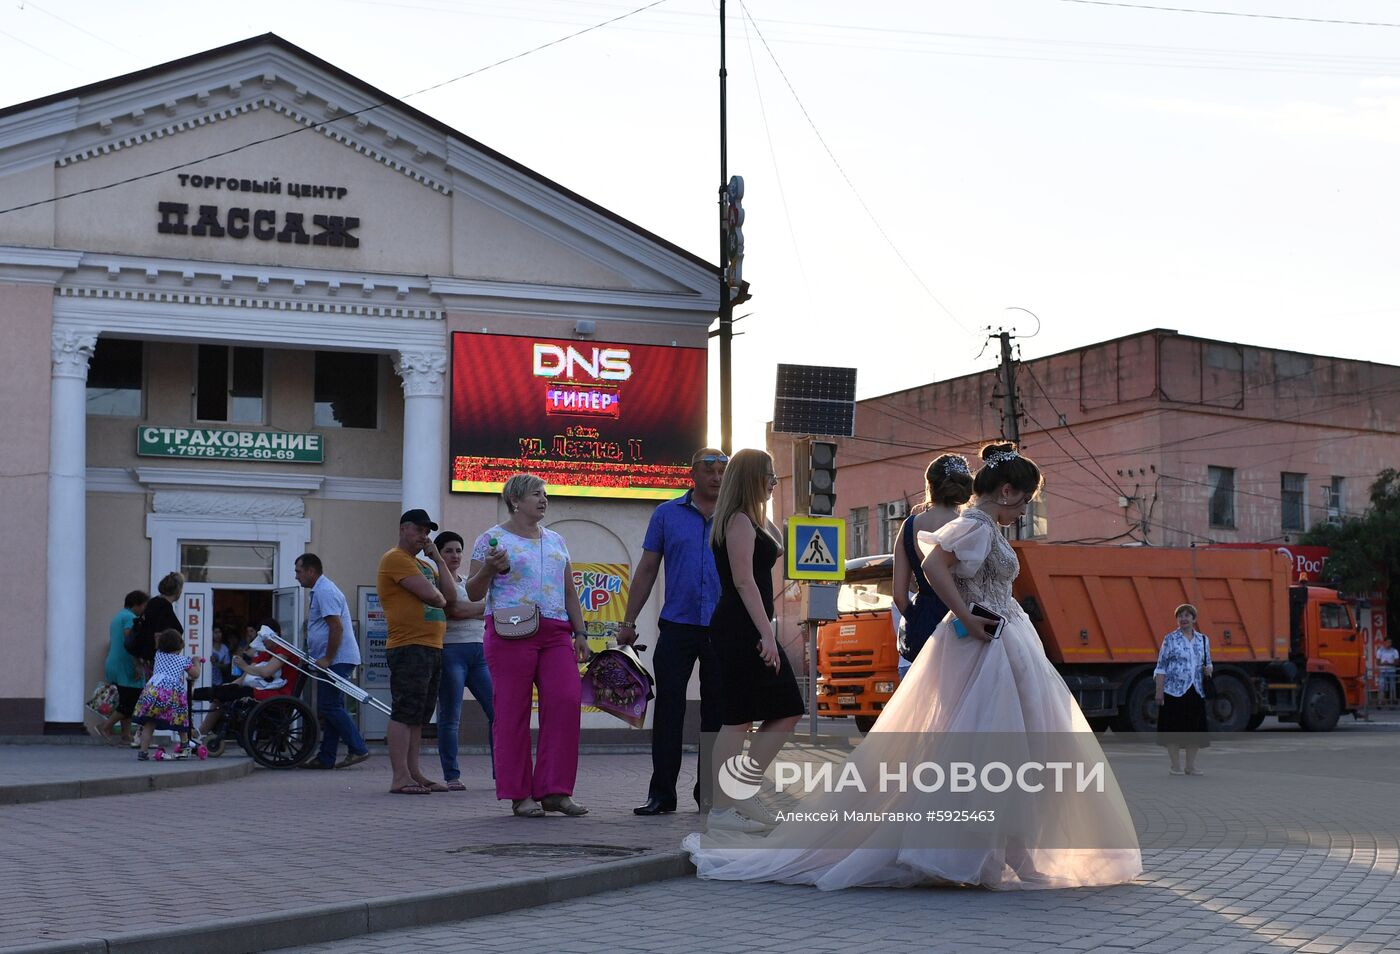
(593, 419)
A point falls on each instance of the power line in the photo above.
(1064, 422)
(36, 49)
(344, 116)
(851, 185)
(777, 174)
(30, 4)
(1230, 13)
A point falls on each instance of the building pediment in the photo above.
(260, 153)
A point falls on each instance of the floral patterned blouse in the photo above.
(1182, 661)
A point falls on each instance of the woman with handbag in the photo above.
(917, 608)
(535, 637)
(1183, 670)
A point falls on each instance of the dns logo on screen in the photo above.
(604, 364)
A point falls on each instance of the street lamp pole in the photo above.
(726, 302)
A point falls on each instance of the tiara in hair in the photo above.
(955, 464)
(1000, 457)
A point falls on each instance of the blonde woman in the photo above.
(756, 680)
(519, 564)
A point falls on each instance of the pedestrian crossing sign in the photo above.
(816, 548)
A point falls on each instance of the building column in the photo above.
(66, 636)
(424, 437)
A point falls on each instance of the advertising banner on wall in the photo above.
(602, 593)
(593, 419)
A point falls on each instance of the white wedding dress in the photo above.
(957, 689)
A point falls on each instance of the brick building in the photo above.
(1153, 438)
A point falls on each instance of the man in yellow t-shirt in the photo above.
(415, 603)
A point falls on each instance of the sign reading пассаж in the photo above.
(230, 445)
(240, 222)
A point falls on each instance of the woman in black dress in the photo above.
(757, 679)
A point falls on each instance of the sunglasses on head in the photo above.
(712, 459)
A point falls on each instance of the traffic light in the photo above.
(822, 479)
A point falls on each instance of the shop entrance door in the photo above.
(289, 609)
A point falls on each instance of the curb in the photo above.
(338, 922)
(120, 785)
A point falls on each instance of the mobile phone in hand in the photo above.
(980, 611)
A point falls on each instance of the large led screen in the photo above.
(593, 419)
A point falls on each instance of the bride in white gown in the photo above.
(970, 688)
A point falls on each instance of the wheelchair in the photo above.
(279, 732)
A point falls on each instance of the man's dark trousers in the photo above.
(678, 646)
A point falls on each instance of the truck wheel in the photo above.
(1100, 723)
(1139, 714)
(865, 723)
(1231, 709)
(1255, 721)
(1322, 706)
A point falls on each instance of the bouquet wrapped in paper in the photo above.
(617, 683)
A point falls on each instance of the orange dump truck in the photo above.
(1290, 651)
(857, 662)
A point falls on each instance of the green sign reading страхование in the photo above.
(218, 444)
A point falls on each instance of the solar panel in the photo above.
(813, 399)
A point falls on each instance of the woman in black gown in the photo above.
(757, 679)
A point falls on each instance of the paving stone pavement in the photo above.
(1287, 843)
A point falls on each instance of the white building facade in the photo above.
(228, 286)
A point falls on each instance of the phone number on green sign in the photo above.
(238, 453)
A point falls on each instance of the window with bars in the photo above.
(1336, 500)
(892, 516)
(1293, 493)
(858, 531)
(1222, 496)
(1036, 521)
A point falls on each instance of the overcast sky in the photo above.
(1111, 169)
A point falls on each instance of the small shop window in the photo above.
(229, 384)
(244, 564)
(347, 389)
(115, 378)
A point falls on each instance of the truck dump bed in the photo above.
(1096, 605)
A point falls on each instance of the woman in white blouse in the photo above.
(1182, 667)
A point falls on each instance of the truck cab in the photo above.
(857, 660)
(1326, 649)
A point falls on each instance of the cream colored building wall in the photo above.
(119, 559)
(25, 327)
(32, 226)
(404, 225)
(289, 405)
(350, 536)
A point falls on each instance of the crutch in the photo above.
(360, 695)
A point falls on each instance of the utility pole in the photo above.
(1011, 407)
(726, 302)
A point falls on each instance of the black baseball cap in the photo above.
(418, 516)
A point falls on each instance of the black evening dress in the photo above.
(752, 691)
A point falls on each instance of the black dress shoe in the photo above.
(655, 806)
